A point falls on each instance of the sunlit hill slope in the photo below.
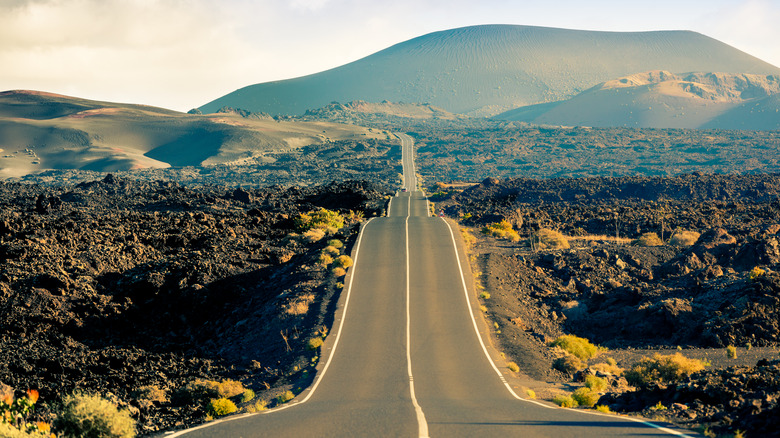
(484, 70)
(40, 131)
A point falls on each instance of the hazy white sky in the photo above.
(180, 54)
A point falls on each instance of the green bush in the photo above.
(565, 401)
(336, 243)
(219, 407)
(323, 219)
(595, 383)
(579, 347)
(585, 397)
(649, 239)
(94, 417)
(285, 397)
(662, 369)
(513, 367)
(314, 343)
(247, 396)
(731, 352)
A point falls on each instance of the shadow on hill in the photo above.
(192, 148)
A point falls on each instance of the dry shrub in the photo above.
(568, 364)
(325, 259)
(314, 235)
(147, 395)
(468, 239)
(649, 239)
(576, 346)
(684, 238)
(343, 261)
(547, 238)
(300, 305)
(502, 230)
(331, 250)
(314, 343)
(92, 416)
(662, 369)
(230, 388)
(339, 272)
(608, 368)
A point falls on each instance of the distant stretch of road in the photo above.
(405, 357)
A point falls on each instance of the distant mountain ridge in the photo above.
(660, 99)
(484, 70)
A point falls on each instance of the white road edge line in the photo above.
(324, 368)
(503, 379)
(421, 422)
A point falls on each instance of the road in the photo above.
(405, 357)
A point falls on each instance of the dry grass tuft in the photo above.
(649, 239)
(300, 305)
(684, 238)
(662, 369)
(548, 239)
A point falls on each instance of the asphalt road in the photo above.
(405, 358)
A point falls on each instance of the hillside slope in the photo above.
(660, 99)
(40, 131)
(483, 70)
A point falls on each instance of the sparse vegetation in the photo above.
(755, 273)
(343, 261)
(247, 396)
(92, 416)
(502, 230)
(649, 239)
(585, 397)
(564, 401)
(323, 219)
(219, 407)
(662, 369)
(568, 364)
(595, 383)
(546, 238)
(285, 397)
(610, 367)
(579, 347)
(684, 239)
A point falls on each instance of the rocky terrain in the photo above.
(513, 149)
(693, 293)
(126, 288)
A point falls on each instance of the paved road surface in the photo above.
(408, 361)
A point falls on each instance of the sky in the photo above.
(181, 54)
